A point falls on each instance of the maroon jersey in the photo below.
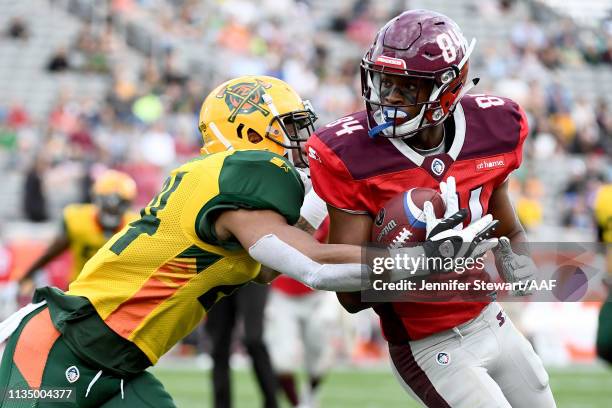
(358, 174)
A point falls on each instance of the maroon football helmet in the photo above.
(427, 48)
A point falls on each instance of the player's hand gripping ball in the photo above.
(401, 221)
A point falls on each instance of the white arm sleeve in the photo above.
(270, 251)
(314, 209)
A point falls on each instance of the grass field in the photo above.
(578, 387)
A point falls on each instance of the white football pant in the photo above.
(298, 328)
(483, 363)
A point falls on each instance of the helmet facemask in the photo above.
(111, 209)
(291, 131)
(411, 95)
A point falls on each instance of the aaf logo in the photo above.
(443, 358)
(245, 98)
(72, 374)
(437, 166)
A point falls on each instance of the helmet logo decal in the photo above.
(391, 62)
(245, 98)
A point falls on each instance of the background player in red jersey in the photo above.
(301, 335)
(420, 128)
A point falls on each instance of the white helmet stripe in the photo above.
(268, 100)
(467, 54)
(222, 139)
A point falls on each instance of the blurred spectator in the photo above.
(17, 116)
(527, 34)
(34, 196)
(234, 36)
(528, 206)
(604, 124)
(90, 51)
(80, 139)
(172, 72)
(121, 95)
(297, 73)
(17, 29)
(148, 108)
(157, 147)
(59, 61)
(335, 98)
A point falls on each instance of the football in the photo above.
(401, 220)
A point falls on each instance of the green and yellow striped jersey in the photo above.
(153, 281)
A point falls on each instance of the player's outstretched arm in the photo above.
(249, 226)
(267, 275)
(288, 250)
(59, 244)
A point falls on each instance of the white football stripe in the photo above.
(414, 210)
(475, 206)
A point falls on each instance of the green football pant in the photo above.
(37, 358)
(604, 331)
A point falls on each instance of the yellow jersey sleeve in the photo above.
(603, 212)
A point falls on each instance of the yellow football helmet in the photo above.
(113, 193)
(115, 182)
(256, 113)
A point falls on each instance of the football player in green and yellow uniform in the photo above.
(603, 216)
(207, 232)
(87, 227)
(197, 240)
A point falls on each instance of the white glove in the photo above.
(515, 268)
(446, 242)
(448, 191)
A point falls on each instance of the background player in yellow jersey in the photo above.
(87, 227)
(207, 232)
(603, 216)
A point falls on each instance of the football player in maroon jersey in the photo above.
(420, 128)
